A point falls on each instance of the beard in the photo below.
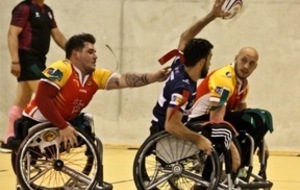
(238, 74)
(204, 72)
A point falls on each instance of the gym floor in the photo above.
(283, 170)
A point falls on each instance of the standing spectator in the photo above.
(29, 34)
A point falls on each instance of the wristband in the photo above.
(15, 62)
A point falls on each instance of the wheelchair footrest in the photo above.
(255, 185)
(104, 186)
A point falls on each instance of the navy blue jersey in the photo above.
(178, 82)
(37, 23)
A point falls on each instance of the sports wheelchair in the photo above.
(246, 178)
(41, 162)
(166, 162)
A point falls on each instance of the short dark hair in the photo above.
(76, 42)
(195, 50)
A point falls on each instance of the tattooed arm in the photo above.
(130, 80)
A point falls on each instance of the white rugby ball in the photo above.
(233, 7)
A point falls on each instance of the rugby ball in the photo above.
(232, 7)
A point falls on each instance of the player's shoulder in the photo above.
(101, 71)
(182, 81)
(100, 74)
(22, 6)
(59, 69)
(25, 2)
(226, 72)
(62, 64)
(48, 7)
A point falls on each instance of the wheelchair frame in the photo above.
(259, 181)
(41, 161)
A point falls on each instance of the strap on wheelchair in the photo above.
(263, 114)
(223, 99)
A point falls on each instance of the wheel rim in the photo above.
(153, 172)
(48, 166)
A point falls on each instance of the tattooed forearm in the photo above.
(144, 76)
(134, 80)
(115, 81)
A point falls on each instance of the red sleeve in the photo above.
(20, 16)
(44, 100)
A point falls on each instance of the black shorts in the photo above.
(220, 134)
(32, 66)
(241, 125)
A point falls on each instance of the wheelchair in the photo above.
(248, 179)
(166, 162)
(41, 162)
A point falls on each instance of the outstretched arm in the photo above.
(192, 31)
(131, 80)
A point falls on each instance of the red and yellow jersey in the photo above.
(75, 91)
(214, 85)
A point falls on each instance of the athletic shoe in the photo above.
(243, 174)
(4, 148)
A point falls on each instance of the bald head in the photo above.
(245, 62)
(249, 52)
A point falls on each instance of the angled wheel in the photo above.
(166, 162)
(43, 163)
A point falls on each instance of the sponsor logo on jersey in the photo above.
(37, 14)
(228, 74)
(219, 90)
(176, 99)
(89, 83)
(186, 81)
(50, 15)
(54, 74)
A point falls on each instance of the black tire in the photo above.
(179, 167)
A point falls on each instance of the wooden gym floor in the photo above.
(283, 170)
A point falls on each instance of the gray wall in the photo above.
(141, 31)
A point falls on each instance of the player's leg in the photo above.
(23, 97)
(31, 71)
